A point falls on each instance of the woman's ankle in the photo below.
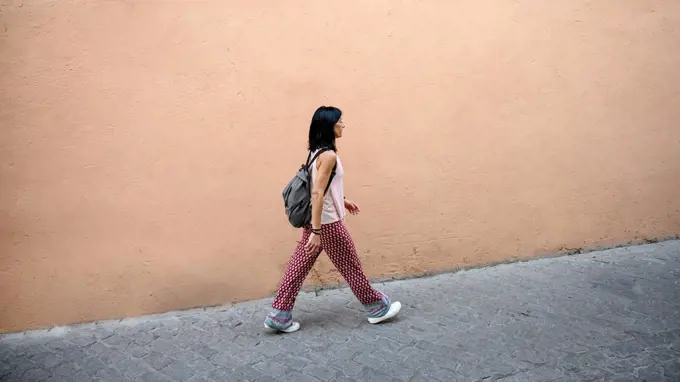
(279, 319)
(378, 308)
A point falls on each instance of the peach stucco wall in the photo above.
(145, 144)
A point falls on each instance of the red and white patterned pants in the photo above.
(338, 244)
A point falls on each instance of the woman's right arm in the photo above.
(325, 164)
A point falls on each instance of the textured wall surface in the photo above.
(145, 144)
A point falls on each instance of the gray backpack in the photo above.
(297, 195)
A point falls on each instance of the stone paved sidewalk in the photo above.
(611, 315)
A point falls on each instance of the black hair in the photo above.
(322, 128)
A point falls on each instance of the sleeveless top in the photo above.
(334, 200)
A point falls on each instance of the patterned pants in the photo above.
(338, 244)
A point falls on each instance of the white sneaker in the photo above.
(293, 328)
(394, 310)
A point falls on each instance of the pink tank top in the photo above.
(334, 200)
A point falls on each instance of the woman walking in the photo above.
(327, 232)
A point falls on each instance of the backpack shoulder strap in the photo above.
(309, 163)
(311, 159)
(331, 178)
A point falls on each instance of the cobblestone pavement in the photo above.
(611, 315)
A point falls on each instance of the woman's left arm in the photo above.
(352, 207)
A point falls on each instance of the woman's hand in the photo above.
(313, 244)
(352, 207)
